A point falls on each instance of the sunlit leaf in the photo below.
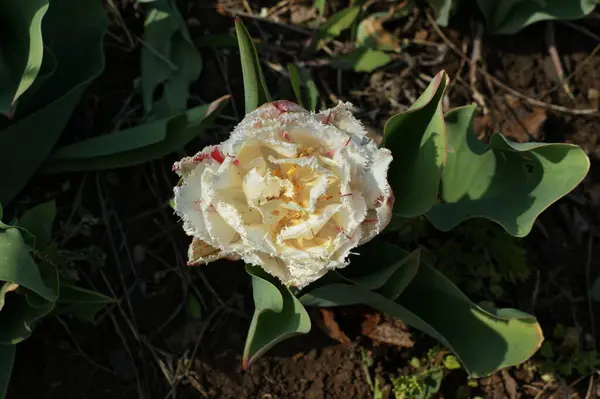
(335, 25)
(277, 315)
(256, 92)
(361, 60)
(509, 183)
(417, 139)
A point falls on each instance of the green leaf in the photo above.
(320, 6)
(21, 48)
(277, 315)
(417, 139)
(168, 57)
(380, 263)
(38, 221)
(381, 271)
(18, 267)
(361, 60)
(510, 16)
(42, 116)
(24, 307)
(443, 10)
(256, 92)
(80, 302)
(7, 358)
(136, 145)
(484, 341)
(506, 182)
(304, 88)
(336, 24)
(296, 82)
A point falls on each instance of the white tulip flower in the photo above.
(290, 191)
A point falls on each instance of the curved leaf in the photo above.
(277, 315)
(506, 182)
(168, 57)
(7, 358)
(42, 116)
(378, 263)
(80, 302)
(21, 48)
(26, 307)
(38, 222)
(336, 24)
(361, 60)
(256, 92)
(417, 139)
(483, 340)
(135, 145)
(18, 267)
(382, 271)
(510, 16)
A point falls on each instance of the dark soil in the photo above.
(151, 346)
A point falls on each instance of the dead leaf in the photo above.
(387, 330)
(519, 122)
(301, 14)
(333, 328)
(421, 34)
(373, 34)
(510, 385)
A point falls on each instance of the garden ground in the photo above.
(179, 332)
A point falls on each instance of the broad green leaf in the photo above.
(296, 82)
(417, 139)
(506, 182)
(18, 267)
(377, 264)
(484, 341)
(22, 309)
(256, 92)
(361, 60)
(381, 270)
(168, 57)
(7, 359)
(80, 302)
(339, 294)
(42, 116)
(336, 24)
(136, 145)
(21, 48)
(277, 315)
(38, 221)
(510, 16)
